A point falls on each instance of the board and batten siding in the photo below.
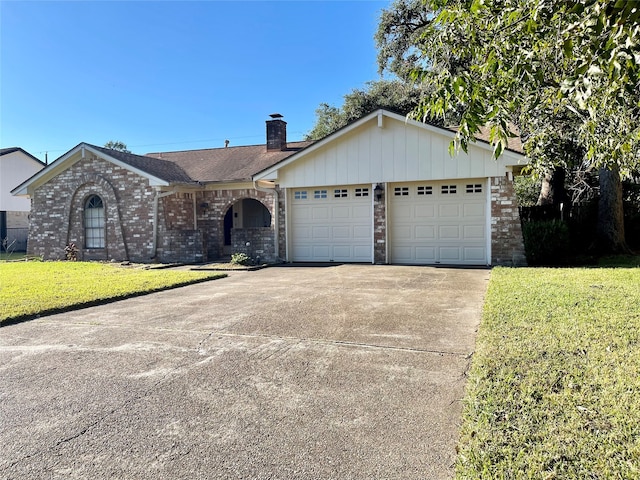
(396, 152)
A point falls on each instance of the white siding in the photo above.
(15, 168)
(398, 152)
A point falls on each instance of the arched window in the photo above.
(94, 223)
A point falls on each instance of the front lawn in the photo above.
(554, 386)
(28, 289)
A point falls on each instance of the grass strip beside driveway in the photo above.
(29, 289)
(554, 388)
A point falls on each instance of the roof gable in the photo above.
(381, 115)
(386, 147)
(160, 174)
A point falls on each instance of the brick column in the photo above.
(379, 229)
(507, 245)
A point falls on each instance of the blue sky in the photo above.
(169, 75)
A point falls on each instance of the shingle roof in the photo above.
(227, 164)
(163, 169)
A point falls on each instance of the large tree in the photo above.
(565, 72)
(391, 94)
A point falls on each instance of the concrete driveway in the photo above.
(342, 372)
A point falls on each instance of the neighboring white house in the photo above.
(16, 166)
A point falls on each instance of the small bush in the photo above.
(71, 252)
(546, 242)
(241, 259)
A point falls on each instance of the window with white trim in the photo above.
(449, 189)
(94, 222)
(340, 193)
(425, 190)
(401, 191)
(320, 194)
(362, 192)
(300, 195)
(474, 188)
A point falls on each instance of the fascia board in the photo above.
(58, 165)
(271, 173)
(69, 159)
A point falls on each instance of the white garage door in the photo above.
(438, 222)
(331, 224)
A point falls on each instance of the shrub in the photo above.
(241, 259)
(546, 242)
(71, 252)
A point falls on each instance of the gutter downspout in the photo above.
(276, 217)
(156, 199)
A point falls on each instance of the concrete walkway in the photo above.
(345, 372)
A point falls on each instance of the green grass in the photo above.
(28, 289)
(554, 387)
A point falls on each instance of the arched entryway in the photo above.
(247, 220)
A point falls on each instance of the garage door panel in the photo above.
(425, 232)
(438, 222)
(362, 211)
(302, 251)
(341, 252)
(341, 212)
(449, 232)
(424, 211)
(320, 213)
(362, 253)
(473, 210)
(474, 232)
(425, 254)
(474, 253)
(450, 254)
(331, 228)
(448, 211)
(304, 232)
(321, 252)
(402, 254)
(320, 232)
(341, 232)
(362, 232)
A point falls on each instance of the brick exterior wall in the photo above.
(57, 218)
(211, 223)
(57, 212)
(379, 230)
(507, 245)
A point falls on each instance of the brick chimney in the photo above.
(276, 133)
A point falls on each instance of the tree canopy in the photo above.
(565, 73)
(391, 94)
(560, 70)
(117, 145)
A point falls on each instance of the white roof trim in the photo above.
(271, 172)
(153, 180)
(60, 164)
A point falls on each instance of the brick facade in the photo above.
(190, 225)
(507, 245)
